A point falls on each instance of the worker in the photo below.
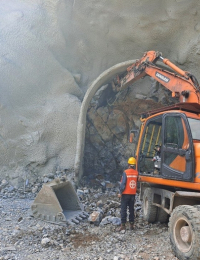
(128, 188)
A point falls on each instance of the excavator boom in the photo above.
(182, 84)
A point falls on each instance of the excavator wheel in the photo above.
(184, 227)
(162, 216)
(149, 210)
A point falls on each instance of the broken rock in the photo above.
(45, 242)
(95, 218)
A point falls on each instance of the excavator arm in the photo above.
(183, 85)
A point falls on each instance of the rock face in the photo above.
(51, 51)
(40, 98)
(110, 120)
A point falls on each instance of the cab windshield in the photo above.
(195, 128)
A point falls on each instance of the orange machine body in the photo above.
(168, 154)
(179, 162)
(173, 161)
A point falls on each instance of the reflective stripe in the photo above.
(131, 176)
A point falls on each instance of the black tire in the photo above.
(184, 231)
(162, 216)
(149, 210)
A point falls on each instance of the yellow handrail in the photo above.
(145, 138)
(151, 139)
(158, 135)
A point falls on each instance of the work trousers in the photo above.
(127, 203)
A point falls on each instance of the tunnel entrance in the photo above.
(105, 122)
(109, 121)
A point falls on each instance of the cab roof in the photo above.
(189, 107)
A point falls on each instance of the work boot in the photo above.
(122, 227)
(131, 225)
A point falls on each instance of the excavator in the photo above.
(168, 153)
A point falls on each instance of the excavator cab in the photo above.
(166, 147)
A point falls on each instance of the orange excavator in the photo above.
(168, 154)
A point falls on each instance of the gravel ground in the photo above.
(24, 237)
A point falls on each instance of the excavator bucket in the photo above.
(57, 202)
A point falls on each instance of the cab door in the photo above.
(177, 148)
(151, 138)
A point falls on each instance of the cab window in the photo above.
(150, 141)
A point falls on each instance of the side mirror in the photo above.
(133, 135)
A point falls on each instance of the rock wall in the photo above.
(109, 123)
(52, 50)
(40, 97)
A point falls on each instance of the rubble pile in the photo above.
(97, 238)
(28, 189)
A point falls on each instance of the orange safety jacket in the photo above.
(131, 182)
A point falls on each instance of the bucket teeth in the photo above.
(69, 222)
(79, 218)
(84, 215)
(75, 221)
